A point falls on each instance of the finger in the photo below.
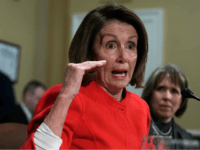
(92, 65)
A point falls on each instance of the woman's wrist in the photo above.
(56, 117)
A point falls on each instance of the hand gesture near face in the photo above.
(74, 75)
(71, 85)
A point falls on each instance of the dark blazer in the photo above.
(178, 133)
(7, 94)
(16, 115)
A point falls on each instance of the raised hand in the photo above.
(71, 85)
(74, 75)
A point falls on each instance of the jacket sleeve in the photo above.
(148, 120)
(42, 109)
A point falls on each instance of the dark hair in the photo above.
(32, 85)
(177, 77)
(81, 48)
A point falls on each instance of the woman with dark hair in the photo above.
(92, 109)
(162, 92)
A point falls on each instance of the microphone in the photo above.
(189, 94)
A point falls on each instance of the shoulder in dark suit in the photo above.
(180, 133)
(16, 114)
(6, 93)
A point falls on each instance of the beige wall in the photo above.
(44, 35)
(18, 25)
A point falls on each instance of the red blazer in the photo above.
(96, 120)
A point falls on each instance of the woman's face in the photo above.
(117, 44)
(166, 99)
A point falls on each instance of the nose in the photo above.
(122, 55)
(167, 95)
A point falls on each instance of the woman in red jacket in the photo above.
(92, 109)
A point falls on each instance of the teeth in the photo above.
(119, 75)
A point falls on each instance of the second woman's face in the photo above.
(117, 44)
(166, 99)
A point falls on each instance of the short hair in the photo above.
(32, 85)
(177, 77)
(81, 48)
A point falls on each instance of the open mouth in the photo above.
(119, 73)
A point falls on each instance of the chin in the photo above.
(165, 116)
(119, 85)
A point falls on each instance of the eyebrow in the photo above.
(106, 34)
(109, 34)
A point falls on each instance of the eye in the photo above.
(161, 88)
(110, 48)
(131, 46)
(175, 91)
(110, 45)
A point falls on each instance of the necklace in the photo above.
(158, 132)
